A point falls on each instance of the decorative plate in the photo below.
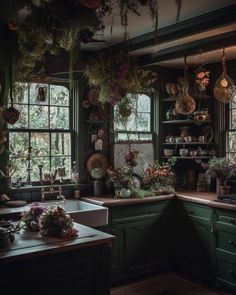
(92, 96)
(97, 160)
(208, 132)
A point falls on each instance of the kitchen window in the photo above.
(231, 132)
(44, 125)
(136, 135)
(139, 126)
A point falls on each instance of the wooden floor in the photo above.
(166, 284)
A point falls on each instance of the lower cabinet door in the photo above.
(118, 264)
(147, 248)
(196, 249)
(226, 273)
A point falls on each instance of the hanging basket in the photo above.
(11, 115)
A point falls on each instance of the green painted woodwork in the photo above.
(119, 214)
(226, 248)
(195, 248)
(142, 239)
(197, 210)
(226, 272)
(73, 272)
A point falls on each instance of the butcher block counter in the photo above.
(35, 264)
(205, 198)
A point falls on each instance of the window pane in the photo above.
(20, 92)
(40, 144)
(59, 95)
(122, 136)
(233, 119)
(231, 140)
(60, 144)
(62, 162)
(145, 136)
(59, 118)
(143, 122)
(18, 142)
(35, 170)
(233, 103)
(20, 173)
(144, 103)
(38, 117)
(23, 118)
(38, 93)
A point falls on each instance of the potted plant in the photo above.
(221, 168)
(121, 179)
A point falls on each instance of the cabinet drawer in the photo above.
(197, 210)
(227, 217)
(226, 241)
(226, 271)
(130, 211)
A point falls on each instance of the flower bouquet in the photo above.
(30, 219)
(55, 222)
(159, 178)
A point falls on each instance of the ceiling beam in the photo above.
(206, 44)
(202, 23)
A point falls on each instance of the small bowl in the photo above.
(179, 139)
(183, 152)
(168, 152)
(188, 138)
(193, 153)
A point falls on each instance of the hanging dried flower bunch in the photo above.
(201, 78)
(116, 76)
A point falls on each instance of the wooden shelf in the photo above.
(179, 157)
(187, 121)
(195, 96)
(189, 143)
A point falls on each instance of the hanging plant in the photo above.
(116, 76)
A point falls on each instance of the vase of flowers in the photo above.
(121, 179)
(159, 177)
(221, 169)
(30, 219)
(55, 222)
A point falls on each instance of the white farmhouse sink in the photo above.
(82, 212)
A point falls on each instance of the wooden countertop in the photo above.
(110, 201)
(207, 198)
(31, 244)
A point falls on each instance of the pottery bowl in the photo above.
(179, 140)
(168, 152)
(188, 138)
(193, 153)
(183, 152)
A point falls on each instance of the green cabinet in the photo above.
(142, 232)
(196, 239)
(226, 248)
(77, 271)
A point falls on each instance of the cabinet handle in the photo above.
(230, 272)
(213, 231)
(232, 221)
(232, 243)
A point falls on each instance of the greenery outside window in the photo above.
(231, 132)
(139, 126)
(44, 125)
